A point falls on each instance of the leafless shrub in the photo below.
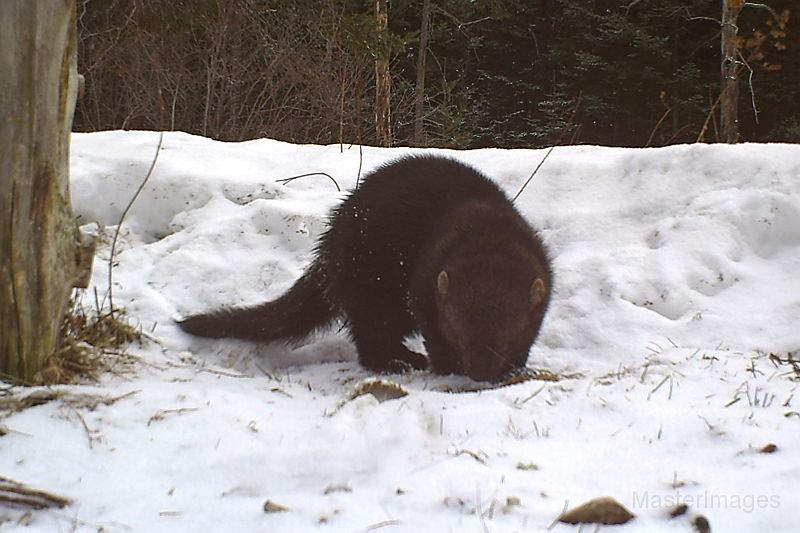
(227, 69)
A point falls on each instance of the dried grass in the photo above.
(93, 342)
(16, 494)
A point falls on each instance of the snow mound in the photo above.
(674, 327)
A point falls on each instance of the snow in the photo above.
(676, 277)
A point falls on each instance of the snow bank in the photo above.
(676, 277)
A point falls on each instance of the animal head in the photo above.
(490, 313)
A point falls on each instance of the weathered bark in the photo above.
(37, 231)
(729, 89)
(419, 96)
(383, 81)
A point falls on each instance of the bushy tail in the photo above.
(301, 310)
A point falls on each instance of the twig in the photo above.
(557, 143)
(655, 389)
(43, 396)
(478, 508)
(762, 6)
(629, 6)
(458, 23)
(663, 117)
(533, 174)
(162, 413)
(385, 523)
(475, 455)
(672, 343)
(121, 218)
(733, 401)
(717, 21)
(286, 181)
(750, 84)
(571, 120)
(220, 373)
(89, 431)
(710, 115)
(15, 493)
(360, 163)
(678, 132)
(556, 520)
(533, 394)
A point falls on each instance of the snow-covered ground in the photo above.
(677, 305)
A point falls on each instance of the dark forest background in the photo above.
(510, 73)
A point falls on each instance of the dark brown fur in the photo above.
(426, 245)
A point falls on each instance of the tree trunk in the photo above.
(419, 95)
(38, 244)
(383, 81)
(729, 89)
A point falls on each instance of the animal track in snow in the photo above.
(770, 223)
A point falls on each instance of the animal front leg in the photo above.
(444, 360)
(380, 346)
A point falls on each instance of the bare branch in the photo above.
(761, 6)
(750, 84)
(629, 6)
(663, 117)
(286, 181)
(122, 218)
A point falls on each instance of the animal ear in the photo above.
(442, 282)
(538, 293)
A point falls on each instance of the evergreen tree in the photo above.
(511, 73)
